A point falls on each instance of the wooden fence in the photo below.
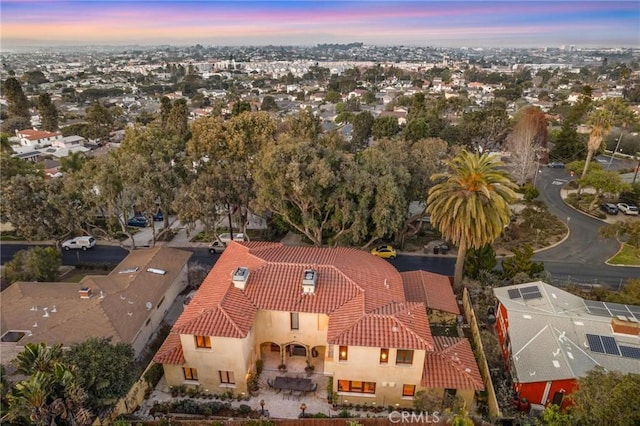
(492, 401)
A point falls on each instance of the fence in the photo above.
(131, 401)
(492, 401)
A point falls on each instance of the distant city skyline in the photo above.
(385, 23)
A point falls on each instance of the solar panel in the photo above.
(514, 293)
(635, 310)
(528, 296)
(610, 345)
(630, 352)
(594, 304)
(595, 344)
(532, 289)
(601, 312)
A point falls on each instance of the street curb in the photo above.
(622, 265)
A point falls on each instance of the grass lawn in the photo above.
(629, 255)
(10, 236)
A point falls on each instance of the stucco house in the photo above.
(342, 310)
(37, 138)
(550, 338)
(127, 305)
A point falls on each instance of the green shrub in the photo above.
(244, 409)
(154, 374)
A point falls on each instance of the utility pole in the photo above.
(614, 152)
(635, 175)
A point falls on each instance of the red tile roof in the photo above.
(451, 366)
(403, 325)
(362, 294)
(433, 290)
(171, 351)
(34, 135)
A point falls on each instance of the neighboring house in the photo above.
(69, 141)
(37, 138)
(400, 116)
(551, 338)
(342, 310)
(127, 305)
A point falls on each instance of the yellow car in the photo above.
(385, 252)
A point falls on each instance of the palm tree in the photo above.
(610, 113)
(471, 206)
(601, 121)
(38, 357)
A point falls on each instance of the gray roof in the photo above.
(548, 335)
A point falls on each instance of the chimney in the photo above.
(85, 293)
(240, 277)
(624, 325)
(309, 280)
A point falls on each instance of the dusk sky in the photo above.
(424, 23)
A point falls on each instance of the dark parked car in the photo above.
(138, 221)
(158, 216)
(609, 208)
(556, 165)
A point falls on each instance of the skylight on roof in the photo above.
(129, 270)
(156, 271)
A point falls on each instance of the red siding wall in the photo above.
(534, 391)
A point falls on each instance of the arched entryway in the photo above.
(295, 356)
(270, 352)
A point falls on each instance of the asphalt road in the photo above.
(583, 245)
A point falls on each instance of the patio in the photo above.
(274, 401)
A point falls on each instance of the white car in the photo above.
(629, 209)
(83, 243)
(226, 237)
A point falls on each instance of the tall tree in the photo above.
(385, 127)
(39, 208)
(224, 155)
(155, 168)
(48, 113)
(100, 121)
(471, 206)
(17, 100)
(603, 182)
(268, 104)
(362, 124)
(604, 397)
(297, 180)
(305, 125)
(527, 144)
(165, 110)
(178, 119)
(105, 370)
(601, 119)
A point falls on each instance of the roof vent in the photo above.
(309, 280)
(240, 277)
(85, 293)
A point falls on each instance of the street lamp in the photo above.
(303, 407)
(262, 407)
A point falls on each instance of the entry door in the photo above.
(557, 398)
